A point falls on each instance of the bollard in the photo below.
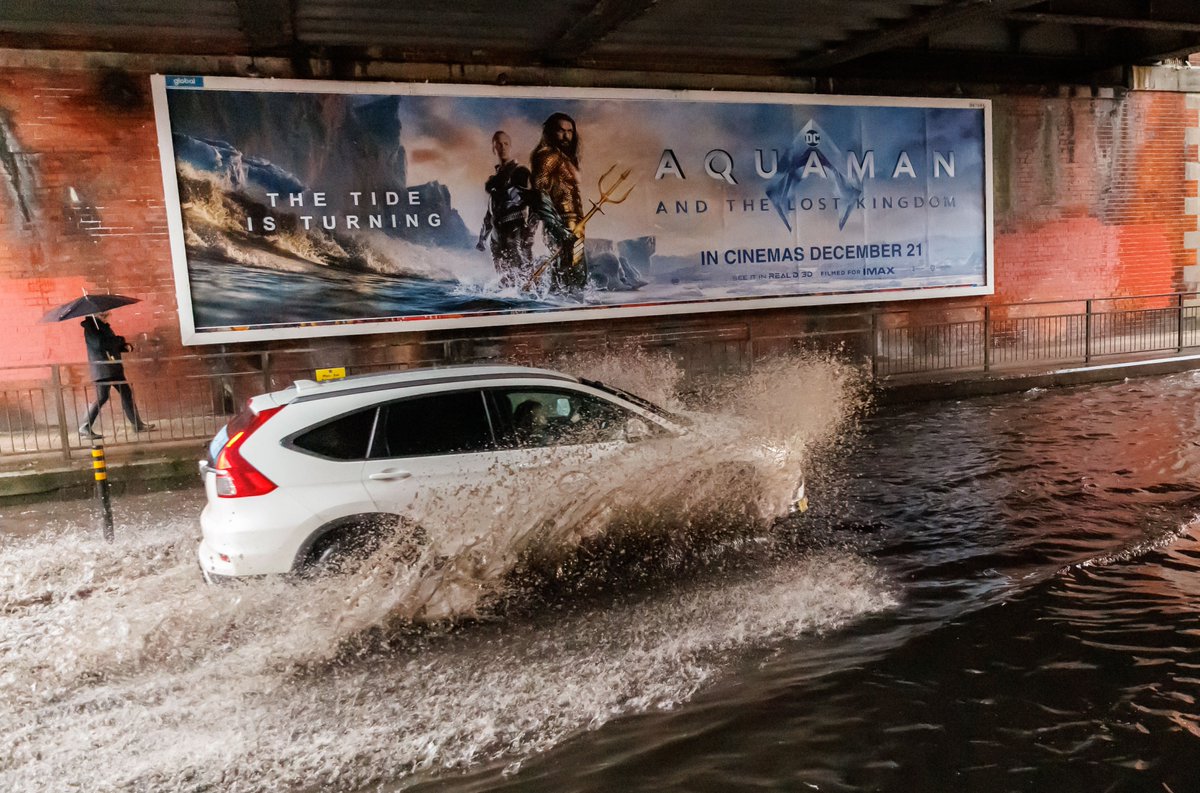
(101, 472)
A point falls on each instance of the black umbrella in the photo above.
(88, 304)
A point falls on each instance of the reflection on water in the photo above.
(989, 595)
(1046, 565)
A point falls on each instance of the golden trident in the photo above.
(606, 197)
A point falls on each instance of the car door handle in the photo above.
(390, 473)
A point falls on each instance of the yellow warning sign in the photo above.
(336, 373)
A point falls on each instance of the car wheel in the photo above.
(334, 552)
(340, 548)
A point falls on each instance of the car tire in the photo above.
(339, 548)
(334, 552)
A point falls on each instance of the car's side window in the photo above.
(448, 423)
(344, 438)
(551, 417)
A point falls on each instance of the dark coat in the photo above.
(104, 350)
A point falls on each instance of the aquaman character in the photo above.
(555, 166)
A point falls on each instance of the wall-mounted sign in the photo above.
(303, 208)
(332, 373)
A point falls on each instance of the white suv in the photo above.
(307, 475)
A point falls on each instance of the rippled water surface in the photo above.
(1000, 594)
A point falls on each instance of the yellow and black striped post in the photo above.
(101, 472)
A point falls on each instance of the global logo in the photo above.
(185, 82)
(812, 137)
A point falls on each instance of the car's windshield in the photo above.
(637, 400)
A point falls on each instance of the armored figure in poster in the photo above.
(508, 225)
(555, 165)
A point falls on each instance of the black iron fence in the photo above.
(189, 397)
(1029, 335)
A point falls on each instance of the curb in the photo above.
(928, 391)
(124, 477)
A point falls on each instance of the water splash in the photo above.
(122, 671)
(738, 468)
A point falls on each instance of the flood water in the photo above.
(998, 594)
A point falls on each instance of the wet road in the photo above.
(998, 594)
(1046, 575)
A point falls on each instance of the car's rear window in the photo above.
(243, 419)
(345, 438)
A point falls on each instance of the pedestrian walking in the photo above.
(104, 349)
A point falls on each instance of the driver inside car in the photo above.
(529, 423)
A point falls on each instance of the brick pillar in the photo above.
(1191, 203)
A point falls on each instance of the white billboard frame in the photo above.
(266, 332)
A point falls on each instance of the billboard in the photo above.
(312, 208)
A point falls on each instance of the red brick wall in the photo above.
(96, 205)
(1089, 202)
(1090, 196)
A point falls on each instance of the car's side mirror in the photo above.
(636, 430)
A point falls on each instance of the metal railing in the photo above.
(1033, 334)
(189, 397)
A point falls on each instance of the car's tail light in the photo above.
(236, 478)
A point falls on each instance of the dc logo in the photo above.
(812, 138)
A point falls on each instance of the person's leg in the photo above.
(509, 254)
(131, 412)
(569, 275)
(500, 257)
(88, 427)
